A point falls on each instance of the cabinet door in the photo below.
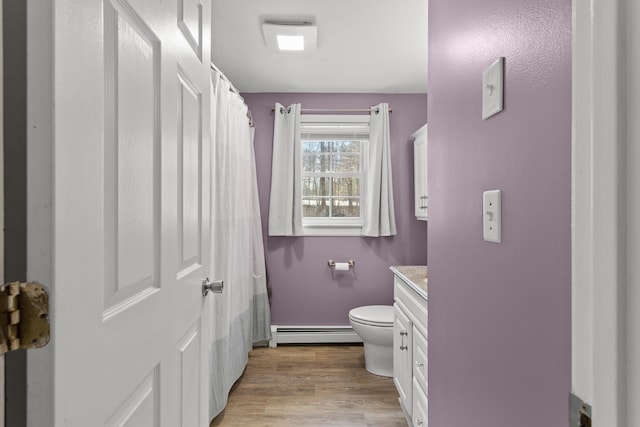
(420, 175)
(420, 406)
(420, 359)
(402, 357)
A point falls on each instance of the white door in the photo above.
(130, 214)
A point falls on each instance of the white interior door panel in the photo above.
(130, 214)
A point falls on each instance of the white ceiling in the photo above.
(364, 46)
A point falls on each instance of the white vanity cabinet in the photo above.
(410, 373)
(420, 155)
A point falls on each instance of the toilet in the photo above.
(374, 324)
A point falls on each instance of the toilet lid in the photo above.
(381, 315)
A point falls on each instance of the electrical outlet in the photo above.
(492, 216)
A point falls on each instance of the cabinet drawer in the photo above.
(416, 305)
(420, 406)
(420, 370)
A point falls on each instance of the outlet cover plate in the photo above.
(492, 216)
(493, 89)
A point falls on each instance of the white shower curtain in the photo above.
(241, 313)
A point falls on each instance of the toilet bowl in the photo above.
(374, 324)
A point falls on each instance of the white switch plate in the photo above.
(492, 216)
(493, 89)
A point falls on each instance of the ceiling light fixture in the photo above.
(282, 36)
(290, 42)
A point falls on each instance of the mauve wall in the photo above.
(499, 314)
(305, 290)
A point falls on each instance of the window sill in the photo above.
(332, 230)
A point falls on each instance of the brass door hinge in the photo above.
(580, 412)
(24, 316)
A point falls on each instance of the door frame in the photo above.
(598, 335)
(40, 132)
(600, 331)
(2, 366)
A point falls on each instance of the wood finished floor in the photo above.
(311, 386)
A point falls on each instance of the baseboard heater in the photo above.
(312, 335)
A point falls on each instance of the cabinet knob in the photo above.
(404, 333)
(419, 422)
(403, 347)
(419, 364)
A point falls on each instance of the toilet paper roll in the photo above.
(342, 266)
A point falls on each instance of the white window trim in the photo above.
(343, 226)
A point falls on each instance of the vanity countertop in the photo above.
(414, 275)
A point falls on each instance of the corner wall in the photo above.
(500, 314)
(305, 291)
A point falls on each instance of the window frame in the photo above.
(336, 226)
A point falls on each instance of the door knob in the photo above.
(216, 286)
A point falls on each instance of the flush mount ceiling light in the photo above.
(282, 36)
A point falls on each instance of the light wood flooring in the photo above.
(311, 386)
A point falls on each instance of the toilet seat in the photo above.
(373, 315)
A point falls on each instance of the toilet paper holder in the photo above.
(332, 263)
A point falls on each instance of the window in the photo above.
(333, 173)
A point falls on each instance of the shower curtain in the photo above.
(241, 313)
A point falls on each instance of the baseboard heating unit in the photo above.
(312, 335)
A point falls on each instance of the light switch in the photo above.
(492, 216)
(492, 89)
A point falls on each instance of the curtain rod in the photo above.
(231, 86)
(334, 110)
(233, 89)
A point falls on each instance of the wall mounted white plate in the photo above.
(493, 89)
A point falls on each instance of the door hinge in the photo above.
(24, 316)
(580, 412)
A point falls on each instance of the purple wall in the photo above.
(305, 290)
(499, 314)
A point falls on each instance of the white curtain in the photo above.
(241, 313)
(379, 216)
(285, 204)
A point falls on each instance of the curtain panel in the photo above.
(285, 203)
(379, 214)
